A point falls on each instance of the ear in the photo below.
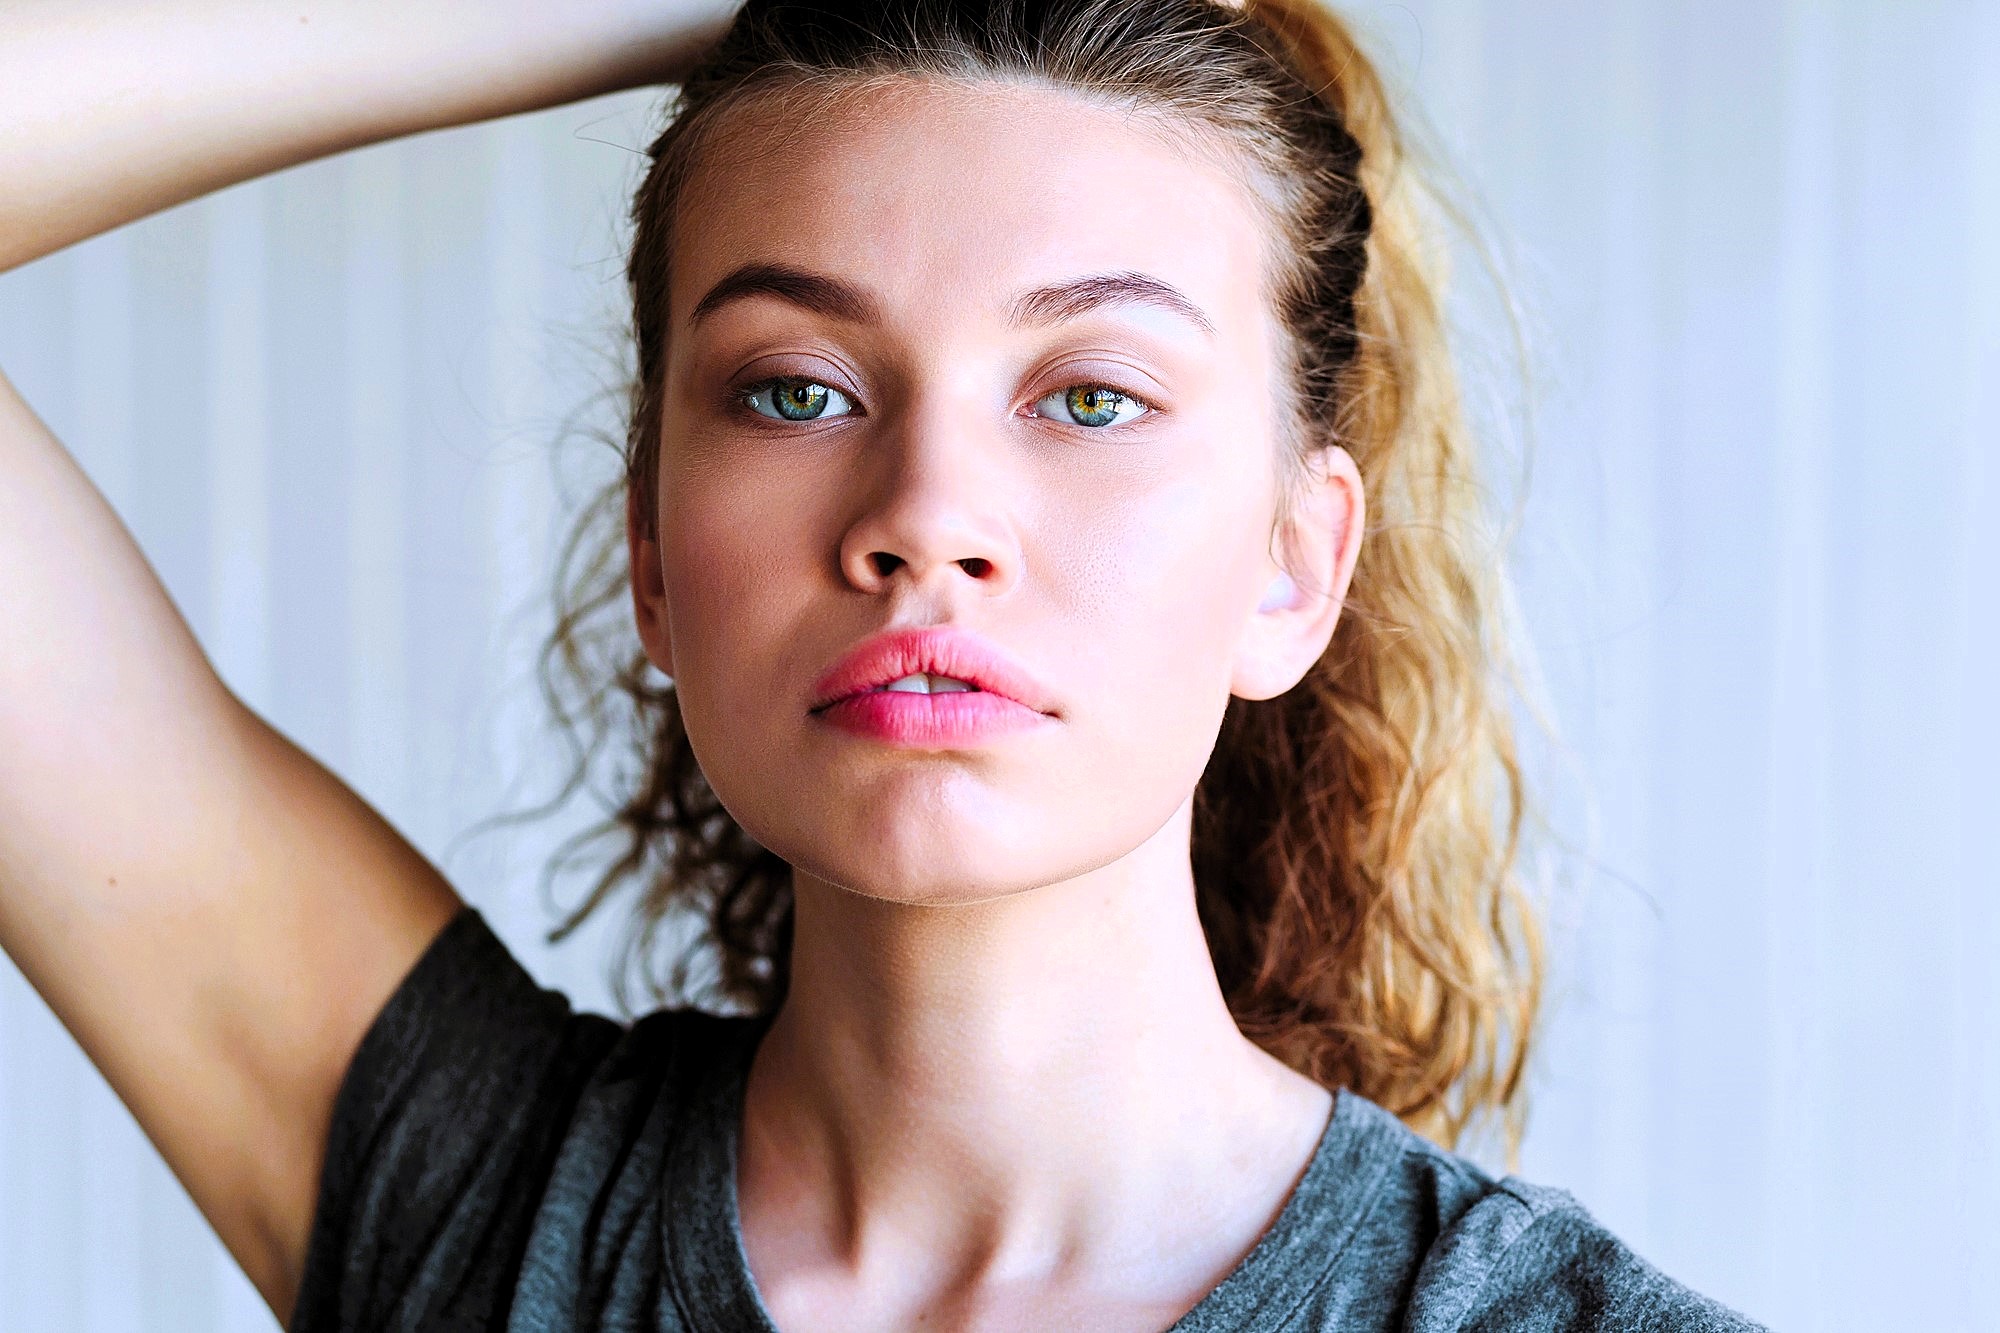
(649, 587)
(1289, 629)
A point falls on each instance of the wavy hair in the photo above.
(1355, 840)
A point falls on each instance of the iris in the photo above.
(799, 402)
(1092, 404)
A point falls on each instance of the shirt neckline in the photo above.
(709, 1269)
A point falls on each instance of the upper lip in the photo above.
(940, 650)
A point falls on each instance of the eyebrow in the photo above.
(817, 292)
(1078, 296)
(836, 298)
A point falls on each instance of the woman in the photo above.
(1048, 507)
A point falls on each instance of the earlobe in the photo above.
(649, 593)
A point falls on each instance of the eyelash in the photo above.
(743, 396)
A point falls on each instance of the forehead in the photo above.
(947, 200)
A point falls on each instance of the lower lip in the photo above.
(904, 717)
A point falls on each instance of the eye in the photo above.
(1091, 405)
(793, 399)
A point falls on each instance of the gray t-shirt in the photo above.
(498, 1161)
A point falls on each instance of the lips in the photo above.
(940, 650)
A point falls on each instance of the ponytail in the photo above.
(1378, 934)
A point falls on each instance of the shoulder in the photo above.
(484, 1124)
(1527, 1256)
(1504, 1253)
(467, 1004)
(472, 1052)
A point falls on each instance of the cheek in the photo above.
(735, 582)
(1152, 578)
(1152, 592)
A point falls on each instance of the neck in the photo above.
(1013, 1078)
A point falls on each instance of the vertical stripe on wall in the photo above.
(1795, 880)
(1971, 635)
(238, 445)
(378, 418)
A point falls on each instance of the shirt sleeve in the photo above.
(1550, 1267)
(444, 1131)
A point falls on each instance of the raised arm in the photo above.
(213, 915)
(114, 109)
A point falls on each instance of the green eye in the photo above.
(800, 402)
(795, 399)
(1092, 405)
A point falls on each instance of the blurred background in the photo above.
(348, 410)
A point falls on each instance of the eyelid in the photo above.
(1103, 373)
(813, 367)
(767, 381)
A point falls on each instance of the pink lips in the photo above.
(1004, 696)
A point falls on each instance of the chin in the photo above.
(934, 840)
(923, 868)
(933, 861)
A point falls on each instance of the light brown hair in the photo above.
(1355, 839)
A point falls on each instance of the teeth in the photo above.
(921, 683)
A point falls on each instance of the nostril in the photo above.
(976, 566)
(884, 563)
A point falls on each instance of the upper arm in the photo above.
(213, 915)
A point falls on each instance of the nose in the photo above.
(934, 507)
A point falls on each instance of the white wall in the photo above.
(1761, 247)
(1761, 549)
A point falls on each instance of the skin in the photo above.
(217, 918)
(1004, 1090)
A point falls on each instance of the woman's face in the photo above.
(922, 462)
